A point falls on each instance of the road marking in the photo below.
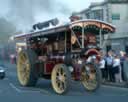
(26, 90)
(45, 92)
(36, 89)
(14, 87)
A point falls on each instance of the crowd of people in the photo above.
(112, 66)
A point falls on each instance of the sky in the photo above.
(77, 5)
(73, 6)
(24, 13)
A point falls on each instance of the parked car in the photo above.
(2, 73)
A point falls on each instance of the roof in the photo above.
(93, 20)
(43, 32)
(67, 27)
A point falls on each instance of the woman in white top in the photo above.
(102, 68)
(116, 69)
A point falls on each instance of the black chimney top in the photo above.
(46, 24)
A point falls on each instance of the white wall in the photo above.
(121, 9)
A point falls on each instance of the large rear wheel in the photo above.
(90, 77)
(60, 78)
(26, 70)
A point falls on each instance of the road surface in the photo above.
(11, 91)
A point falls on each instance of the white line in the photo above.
(38, 91)
(45, 92)
(14, 87)
(26, 91)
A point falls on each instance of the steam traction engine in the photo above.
(62, 54)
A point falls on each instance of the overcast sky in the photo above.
(77, 5)
(73, 6)
(24, 13)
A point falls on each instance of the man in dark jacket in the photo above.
(125, 68)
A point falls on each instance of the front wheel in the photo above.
(60, 78)
(90, 77)
(26, 70)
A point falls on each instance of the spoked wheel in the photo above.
(26, 68)
(60, 79)
(90, 77)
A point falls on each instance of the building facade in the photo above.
(114, 12)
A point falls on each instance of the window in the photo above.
(115, 16)
(87, 15)
(97, 14)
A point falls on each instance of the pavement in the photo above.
(122, 84)
(10, 90)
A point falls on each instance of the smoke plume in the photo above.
(24, 13)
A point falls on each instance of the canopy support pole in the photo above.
(65, 42)
(83, 36)
(100, 34)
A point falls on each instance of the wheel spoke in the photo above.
(21, 62)
(64, 74)
(21, 70)
(24, 76)
(64, 77)
(22, 57)
(27, 71)
(62, 86)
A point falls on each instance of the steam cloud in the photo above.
(24, 13)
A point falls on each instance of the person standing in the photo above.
(122, 59)
(126, 68)
(109, 63)
(116, 69)
(102, 67)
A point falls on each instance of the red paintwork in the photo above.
(54, 60)
(92, 52)
(48, 67)
(77, 71)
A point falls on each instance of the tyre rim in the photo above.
(23, 68)
(89, 77)
(59, 79)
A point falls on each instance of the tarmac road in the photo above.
(11, 91)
